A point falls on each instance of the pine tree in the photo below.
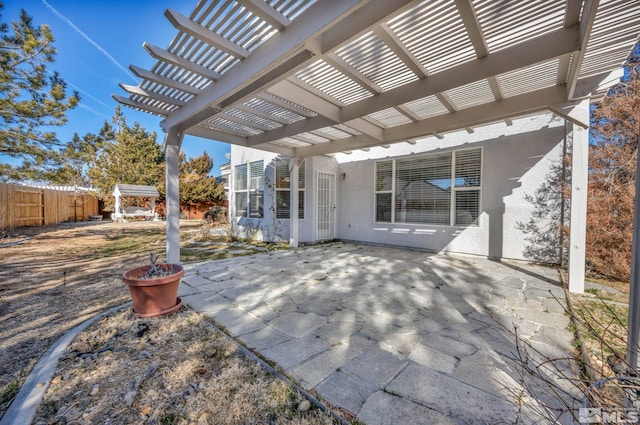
(129, 155)
(31, 98)
(196, 185)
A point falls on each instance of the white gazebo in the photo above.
(136, 191)
(306, 78)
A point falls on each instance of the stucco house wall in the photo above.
(516, 161)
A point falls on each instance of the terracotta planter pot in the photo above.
(157, 296)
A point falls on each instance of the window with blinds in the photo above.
(240, 189)
(384, 191)
(249, 189)
(426, 189)
(283, 189)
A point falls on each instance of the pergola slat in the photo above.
(159, 79)
(186, 25)
(179, 61)
(266, 13)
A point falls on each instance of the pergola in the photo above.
(305, 77)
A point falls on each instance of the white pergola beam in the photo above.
(215, 135)
(170, 58)
(338, 63)
(242, 121)
(587, 19)
(263, 115)
(285, 104)
(139, 105)
(518, 56)
(477, 115)
(521, 55)
(139, 91)
(276, 58)
(297, 95)
(574, 112)
(470, 21)
(267, 13)
(394, 43)
(184, 24)
(159, 79)
(329, 114)
(407, 113)
(572, 12)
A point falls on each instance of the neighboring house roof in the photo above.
(59, 187)
(135, 190)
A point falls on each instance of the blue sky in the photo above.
(96, 43)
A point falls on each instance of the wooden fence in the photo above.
(31, 206)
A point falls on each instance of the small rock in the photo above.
(129, 396)
(95, 390)
(203, 419)
(304, 406)
(145, 411)
(56, 380)
(145, 354)
(83, 347)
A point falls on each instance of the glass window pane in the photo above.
(423, 190)
(256, 174)
(384, 174)
(468, 165)
(241, 204)
(301, 204)
(282, 204)
(282, 174)
(467, 207)
(383, 207)
(301, 175)
(240, 177)
(256, 204)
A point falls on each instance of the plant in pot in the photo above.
(154, 288)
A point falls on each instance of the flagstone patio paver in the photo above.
(389, 334)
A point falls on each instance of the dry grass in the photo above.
(61, 277)
(172, 370)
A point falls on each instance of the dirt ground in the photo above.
(58, 278)
(53, 278)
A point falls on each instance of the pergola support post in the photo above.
(579, 192)
(294, 168)
(172, 143)
(634, 293)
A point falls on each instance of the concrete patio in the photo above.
(392, 335)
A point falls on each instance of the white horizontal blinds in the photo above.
(301, 190)
(384, 191)
(423, 189)
(240, 177)
(283, 183)
(256, 189)
(467, 182)
(240, 180)
(283, 186)
(468, 166)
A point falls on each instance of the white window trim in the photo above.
(455, 189)
(289, 189)
(247, 190)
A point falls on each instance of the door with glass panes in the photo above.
(325, 218)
